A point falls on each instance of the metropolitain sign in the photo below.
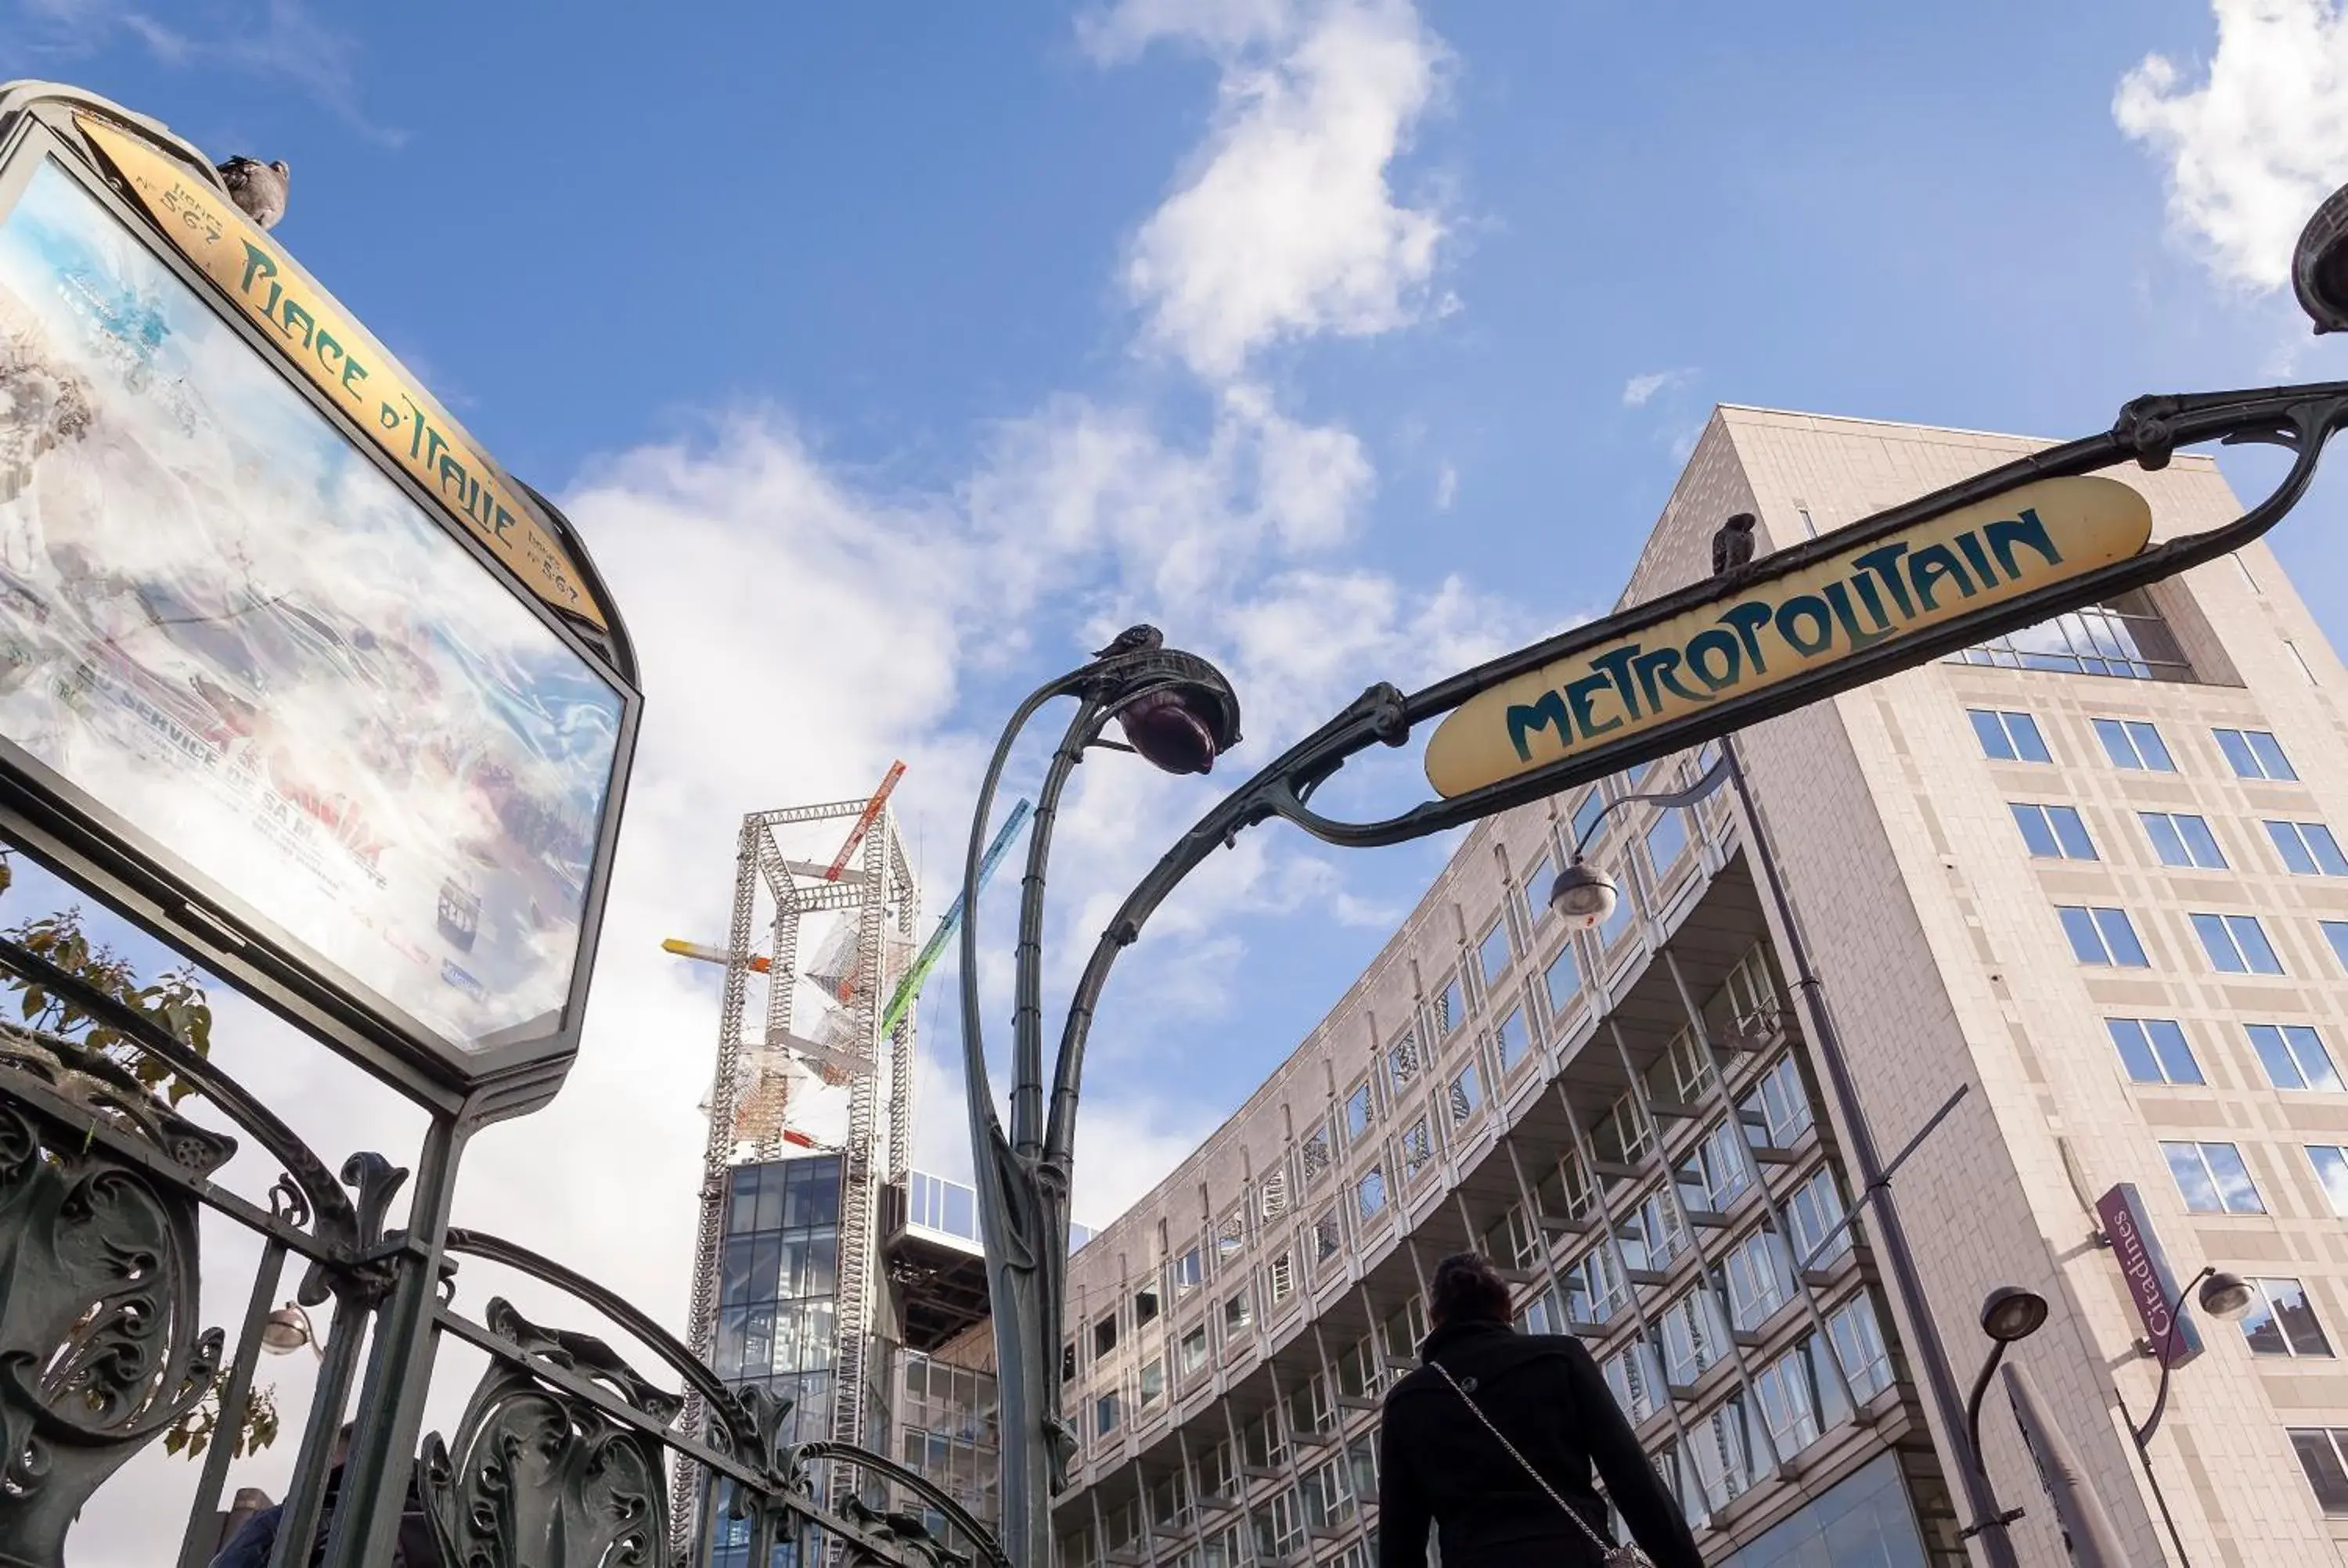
(1761, 631)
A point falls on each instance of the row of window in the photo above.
(2182, 839)
(2103, 937)
(2293, 1055)
(2213, 1179)
(2133, 744)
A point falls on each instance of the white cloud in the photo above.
(2255, 144)
(1446, 486)
(1286, 224)
(1640, 390)
(279, 40)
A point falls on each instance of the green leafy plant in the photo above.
(175, 1000)
(200, 1427)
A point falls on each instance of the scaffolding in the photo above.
(767, 1067)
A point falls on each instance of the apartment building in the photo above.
(2088, 874)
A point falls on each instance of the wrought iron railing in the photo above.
(559, 1458)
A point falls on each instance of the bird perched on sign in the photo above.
(258, 189)
(1132, 639)
(1732, 544)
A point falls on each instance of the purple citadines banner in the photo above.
(2144, 1269)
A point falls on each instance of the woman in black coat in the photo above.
(1439, 1464)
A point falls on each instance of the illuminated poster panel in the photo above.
(229, 631)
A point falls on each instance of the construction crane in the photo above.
(870, 888)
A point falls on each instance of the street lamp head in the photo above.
(2319, 265)
(1583, 898)
(2226, 1297)
(285, 1330)
(1186, 715)
(2011, 1313)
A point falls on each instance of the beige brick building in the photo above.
(2089, 874)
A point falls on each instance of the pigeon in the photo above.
(1132, 639)
(258, 189)
(1732, 547)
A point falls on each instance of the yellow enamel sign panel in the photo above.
(1767, 632)
(343, 360)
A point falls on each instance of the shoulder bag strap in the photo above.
(1538, 1480)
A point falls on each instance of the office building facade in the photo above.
(2088, 875)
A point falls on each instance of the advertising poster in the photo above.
(221, 621)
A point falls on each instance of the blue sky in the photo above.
(889, 358)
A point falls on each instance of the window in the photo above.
(1514, 1039)
(1780, 1102)
(2280, 1322)
(2103, 937)
(2319, 1449)
(2336, 933)
(2307, 848)
(1370, 1193)
(1105, 1415)
(2152, 1050)
(2182, 839)
(1814, 1222)
(1194, 1350)
(2293, 1056)
(1188, 1272)
(1624, 908)
(1718, 1172)
(2135, 745)
(2254, 754)
(1695, 1334)
(2331, 1162)
(1153, 1382)
(1401, 1060)
(1789, 1400)
(1586, 816)
(1563, 978)
(1144, 1308)
(1417, 1148)
(2237, 945)
(2054, 832)
(2124, 635)
(1280, 1276)
(1328, 1236)
(1357, 1113)
(2213, 1179)
(1655, 1234)
(1492, 954)
(1104, 1337)
(1450, 1007)
(1760, 1279)
(1668, 838)
(2008, 737)
(1858, 1345)
(1315, 1154)
(1230, 1233)
(1636, 1376)
(1536, 890)
(1239, 1311)
(1466, 1094)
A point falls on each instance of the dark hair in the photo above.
(1468, 1289)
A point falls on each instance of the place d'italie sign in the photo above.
(1760, 632)
(343, 360)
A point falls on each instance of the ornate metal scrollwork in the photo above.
(539, 1478)
(99, 1349)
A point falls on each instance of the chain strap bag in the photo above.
(1613, 1556)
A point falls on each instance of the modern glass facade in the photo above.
(777, 1308)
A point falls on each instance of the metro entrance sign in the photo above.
(1774, 623)
(2019, 545)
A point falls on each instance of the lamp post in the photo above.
(2010, 1314)
(288, 1328)
(2223, 1295)
(1585, 898)
(1760, 638)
